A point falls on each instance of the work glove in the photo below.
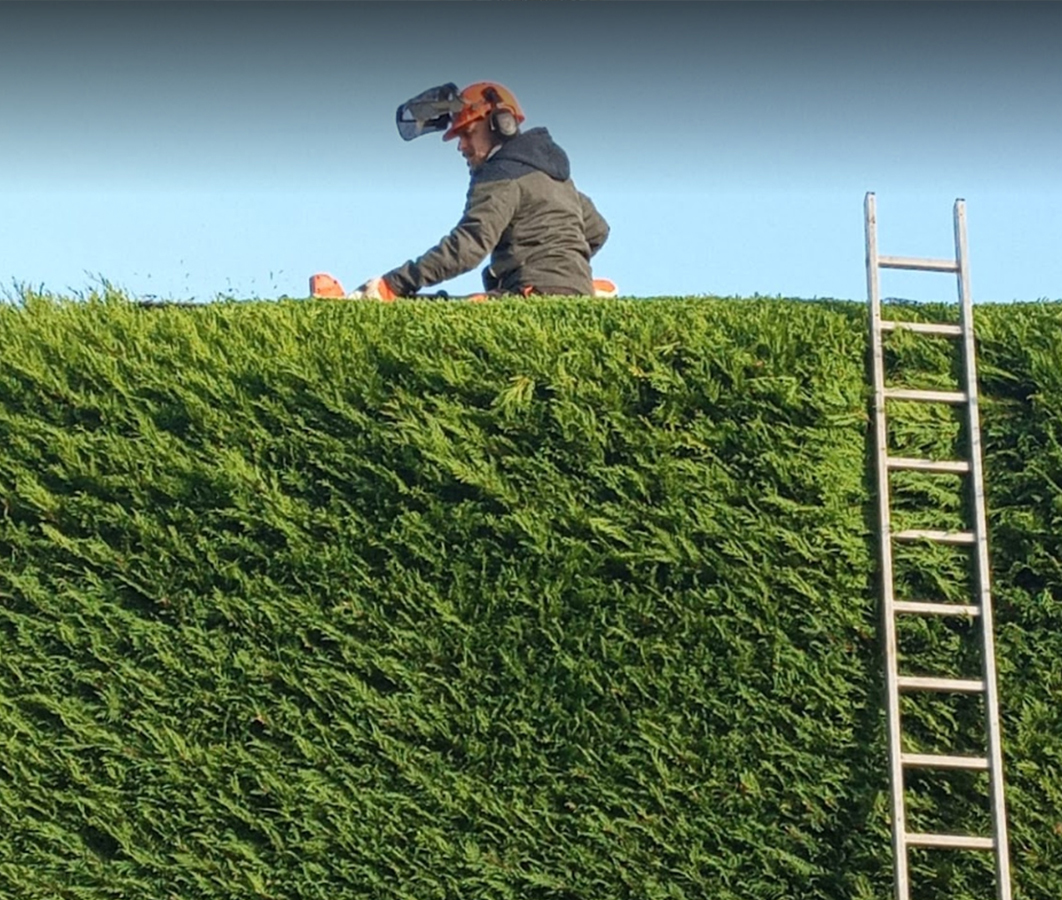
(374, 289)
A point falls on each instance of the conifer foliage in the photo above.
(532, 599)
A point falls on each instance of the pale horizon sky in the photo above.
(190, 150)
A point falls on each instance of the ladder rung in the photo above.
(956, 841)
(923, 327)
(933, 761)
(921, 683)
(926, 396)
(941, 537)
(928, 465)
(935, 609)
(921, 265)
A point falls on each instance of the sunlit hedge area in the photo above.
(527, 599)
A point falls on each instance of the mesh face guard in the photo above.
(431, 110)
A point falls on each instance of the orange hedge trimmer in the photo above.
(325, 286)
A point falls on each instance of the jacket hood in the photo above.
(536, 148)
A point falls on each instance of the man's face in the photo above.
(474, 143)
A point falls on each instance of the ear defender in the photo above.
(503, 122)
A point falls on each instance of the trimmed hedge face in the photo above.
(536, 599)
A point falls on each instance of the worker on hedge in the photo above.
(522, 207)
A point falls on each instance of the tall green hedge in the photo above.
(532, 599)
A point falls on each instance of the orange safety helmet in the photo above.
(482, 99)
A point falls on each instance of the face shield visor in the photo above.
(431, 110)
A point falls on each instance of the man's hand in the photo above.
(374, 289)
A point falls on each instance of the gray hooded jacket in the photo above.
(524, 210)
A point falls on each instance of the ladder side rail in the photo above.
(995, 754)
(896, 777)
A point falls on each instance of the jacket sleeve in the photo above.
(594, 225)
(489, 209)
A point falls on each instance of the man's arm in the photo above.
(488, 212)
(594, 225)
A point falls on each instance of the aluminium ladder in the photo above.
(976, 538)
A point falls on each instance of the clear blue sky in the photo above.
(195, 149)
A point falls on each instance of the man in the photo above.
(522, 207)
